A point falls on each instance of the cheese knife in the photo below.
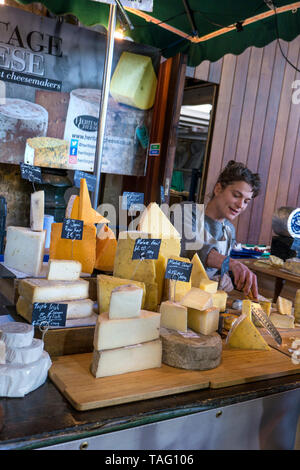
(262, 317)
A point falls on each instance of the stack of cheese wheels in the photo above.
(62, 285)
(24, 364)
(126, 337)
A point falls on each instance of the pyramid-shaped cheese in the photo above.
(154, 221)
(198, 271)
(85, 211)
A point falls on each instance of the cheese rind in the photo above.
(105, 286)
(16, 334)
(173, 316)
(24, 250)
(42, 290)
(37, 204)
(81, 308)
(63, 270)
(197, 299)
(117, 333)
(125, 301)
(205, 322)
(127, 359)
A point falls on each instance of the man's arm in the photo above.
(244, 278)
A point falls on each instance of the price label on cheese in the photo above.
(31, 173)
(72, 229)
(178, 270)
(146, 248)
(49, 314)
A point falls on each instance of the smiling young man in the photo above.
(235, 188)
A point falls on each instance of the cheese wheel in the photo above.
(26, 354)
(16, 334)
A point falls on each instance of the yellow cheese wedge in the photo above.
(198, 271)
(284, 306)
(154, 221)
(105, 286)
(106, 246)
(246, 308)
(205, 322)
(244, 335)
(83, 250)
(85, 211)
(173, 316)
(134, 81)
(220, 300)
(208, 286)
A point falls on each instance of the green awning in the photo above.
(204, 29)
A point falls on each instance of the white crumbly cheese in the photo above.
(2, 352)
(16, 380)
(173, 316)
(125, 301)
(63, 270)
(24, 250)
(26, 354)
(42, 290)
(16, 334)
(116, 333)
(128, 359)
(37, 204)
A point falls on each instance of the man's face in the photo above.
(232, 200)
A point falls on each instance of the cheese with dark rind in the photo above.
(192, 350)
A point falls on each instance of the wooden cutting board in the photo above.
(71, 374)
(288, 335)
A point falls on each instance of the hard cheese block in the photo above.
(134, 81)
(173, 316)
(198, 299)
(24, 250)
(154, 221)
(125, 301)
(16, 334)
(42, 290)
(106, 247)
(127, 359)
(116, 333)
(191, 351)
(37, 203)
(244, 335)
(63, 270)
(282, 321)
(105, 286)
(219, 300)
(81, 308)
(205, 322)
(208, 286)
(83, 250)
(284, 306)
(47, 151)
(198, 271)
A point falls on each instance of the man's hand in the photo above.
(244, 278)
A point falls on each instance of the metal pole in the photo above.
(104, 97)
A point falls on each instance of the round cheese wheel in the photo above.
(26, 354)
(191, 350)
(16, 334)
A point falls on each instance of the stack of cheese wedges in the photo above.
(282, 316)
(243, 334)
(95, 250)
(24, 249)
(126, 337)
(62, 285)
(24, 364)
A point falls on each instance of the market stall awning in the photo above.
(204, 30)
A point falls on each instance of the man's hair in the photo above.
(236, 171)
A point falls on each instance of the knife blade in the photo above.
(262, 317)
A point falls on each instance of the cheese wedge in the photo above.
(282, 321)
(208, 286)
(37, 204)
(205, 322)
(125, 301)
(85, 211)
(63, 270)
(42, 290)
(24, 250)
(220, 300)
(83, 250)
(151, 297)
(244, 335)
(197, 299)
(117, 333)
(198, 271)
(284, 306)
(127, 359)
(105, 286)
(154, 221)
(106, 247)
(173, 316)
(266, 306)
(81, 308)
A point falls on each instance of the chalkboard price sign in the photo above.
(90, 179)
(31, 173)
(146, 248)
(178, 270)
(49, 314)
(72, 229)
(132, 201)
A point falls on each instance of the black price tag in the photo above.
(49, 314)
(90, 179)
(146, 248)
(72, 229)
(132, 201)
(178, 270)
(31, 173)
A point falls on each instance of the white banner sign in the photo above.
(145, 5)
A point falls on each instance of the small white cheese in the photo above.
(63, 270)
(16, 334)
(125, 301)
(26, 354)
